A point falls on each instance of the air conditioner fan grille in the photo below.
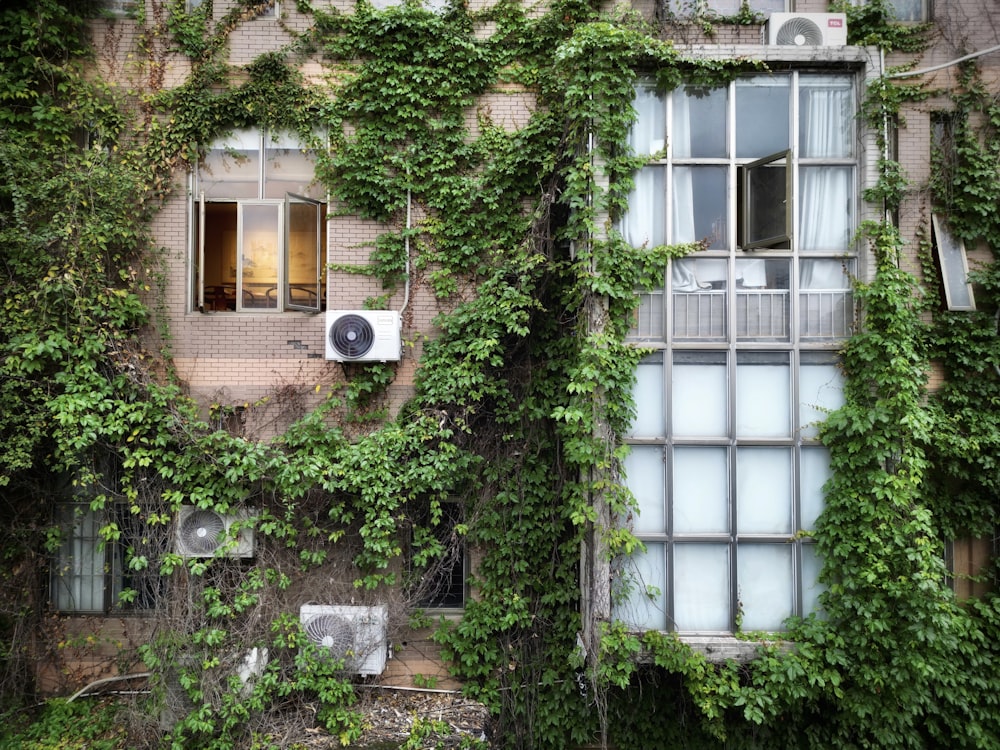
(799, 32)
(352, 336)
(331, 631)
(201, 531)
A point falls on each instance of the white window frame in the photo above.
(954, 265)
(286, 294)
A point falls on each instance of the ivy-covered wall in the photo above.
(514, 409)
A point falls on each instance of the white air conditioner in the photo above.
(355, 634)
(807, 29)
(363, 335)
(201, 533)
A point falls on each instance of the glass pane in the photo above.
(289, 168)
(78, 574)
(701, 491)
(821, 390)
(908, 10)
(648, 132)
(764, 573)
(699, 295)
(699, 122)
(701, 587)
(645, 224)
(765, 223)
(699, 206)
(699, 395)
(812, 565)
(954, 267)
(764, 490)
(763, 395)
(814, 470)
(302, 254)
(259, 255)
(231, 168)
(762, 114)
(650, 418)
(640, 610)
(826, 116)
(826, 303)
(763, 299)
(645, 472)
(826, 208)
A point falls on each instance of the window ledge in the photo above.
(722, 648)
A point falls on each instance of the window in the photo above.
(119, 8)
(92, 575)
(438, 558)
(725, 7)
(725, 463)
(260, 226)
(954, 266)
(913, 11)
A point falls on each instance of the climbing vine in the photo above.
(520, 396)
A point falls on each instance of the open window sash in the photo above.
(303, 246)
(954, 266)
(766, 202)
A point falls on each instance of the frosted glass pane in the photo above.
(645, 222)
(811, 587)
(821, 390)
(701, 587)
(639, 610)
(764, 575)
(701, 490)
(699, 399)
(648, 134)
(814, 470)
(231, 168)
(644, 471)
(764, 490)
(762, 399)
(650, 418)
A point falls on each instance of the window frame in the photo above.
(112, 555)
(439, 594)
(746, 211)
(809, 269)
(234, 295)
(953, 263)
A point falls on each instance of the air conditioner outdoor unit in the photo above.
(201, 533)
(355, 634)
(363, 335)
(807, 29)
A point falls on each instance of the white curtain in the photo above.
(649, 129)
(645, 224)
(826, 132)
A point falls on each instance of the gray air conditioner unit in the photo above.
(363, 336)
(355, 634)
(203, 533)
(807, 29)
